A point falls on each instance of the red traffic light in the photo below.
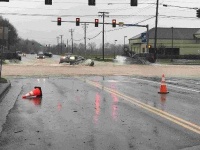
(91, 2)
(198, 13)
(96, 22)
(134, 2)
(59, 21)
(77, 21)
(48, 2)
(114, 22)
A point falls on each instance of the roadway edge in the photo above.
(4, 88)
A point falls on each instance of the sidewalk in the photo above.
(4, 87)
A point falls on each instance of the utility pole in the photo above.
(124, 41)
(67, 46)
(72, 39)
(58, 42)
(85, 27)
(172, 44)
(103, 15)
(156, 24)
(61, 43)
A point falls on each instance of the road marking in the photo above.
(186, 124)
(178, 87)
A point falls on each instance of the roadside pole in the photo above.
(1, 48)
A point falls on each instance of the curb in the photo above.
(4, 89)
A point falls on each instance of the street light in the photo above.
(124, 42)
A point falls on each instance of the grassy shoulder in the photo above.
(178, 61)
(3, 80)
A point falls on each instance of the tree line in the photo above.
(15, 43)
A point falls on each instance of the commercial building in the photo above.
(170, 41)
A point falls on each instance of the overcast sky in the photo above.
(33, 19)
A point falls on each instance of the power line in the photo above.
(79, 39)
(33, 8)
(95, 36)
(53, 15)
(165, 5)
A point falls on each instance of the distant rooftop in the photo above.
(178, 33)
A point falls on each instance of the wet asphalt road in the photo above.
(101, 113)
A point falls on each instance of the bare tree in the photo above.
(92, 47)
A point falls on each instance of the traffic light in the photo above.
(48, 2)
(96, 22)
(59, 21)
(77, 21)
(198, 13)
(114, 23)
(133, 2)
(91, 2)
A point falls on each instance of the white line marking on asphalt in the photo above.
(178, 87)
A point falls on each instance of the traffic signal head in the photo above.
(133, 2)
(114, 23)
(48, 2)
(198, 13)
(96, 22)
(77, 21)
(59, 21)
(91, 2)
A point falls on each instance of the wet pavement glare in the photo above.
(87, 113)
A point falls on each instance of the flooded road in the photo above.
(101, 112)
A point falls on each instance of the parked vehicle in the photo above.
(49, 54)
(32, 53)
(40, 55)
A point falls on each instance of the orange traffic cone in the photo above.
(163, 87)
(37, 92)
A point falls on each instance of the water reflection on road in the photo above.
(100, 112)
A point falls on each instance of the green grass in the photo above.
(3, 80)
(184, 62)
(164, 61)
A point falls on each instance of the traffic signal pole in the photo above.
(103, 15)
(155, 39)
(85, 32)
(103, 36)
(72, 40)
(61, 44)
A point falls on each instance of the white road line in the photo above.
(178, 87)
